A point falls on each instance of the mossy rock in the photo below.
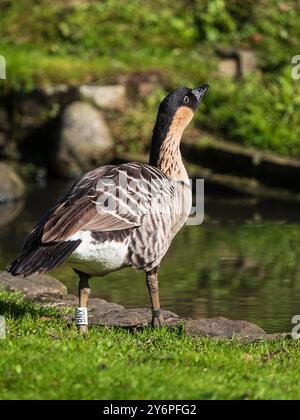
(11, 185)
(84, 140)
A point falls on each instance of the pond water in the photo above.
(241, 263)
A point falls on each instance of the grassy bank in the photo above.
(44, 358)
(85, 41)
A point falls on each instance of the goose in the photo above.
(120, 216)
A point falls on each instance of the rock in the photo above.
(59, 89)
(236, 62)
(11, 185)
(50, 300)
(224, 328)
(9, 211)
(109, 314)
(50, 292)
(84, 140)
(170, 318)
(104, 97)
(247, 62)
(228, 67)
(34, 286)
(103, 313)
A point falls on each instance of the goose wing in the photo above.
(99, 202)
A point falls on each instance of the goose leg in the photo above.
(84, 293)
(152, 284)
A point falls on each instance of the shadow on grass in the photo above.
(18, 310)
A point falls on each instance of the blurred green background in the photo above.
(96, 41)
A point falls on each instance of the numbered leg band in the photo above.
(156, 312)
(82, 316)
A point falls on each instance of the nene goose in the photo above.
(138, 225)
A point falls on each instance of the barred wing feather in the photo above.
(85, 206)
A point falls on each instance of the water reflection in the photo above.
(242, 263)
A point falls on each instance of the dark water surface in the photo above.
(241, 263)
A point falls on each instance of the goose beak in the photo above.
(200, 91)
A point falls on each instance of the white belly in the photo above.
(98, 259)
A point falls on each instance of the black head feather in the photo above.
(182, 96)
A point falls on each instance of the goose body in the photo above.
(143, 245)
(155, 207)
(120, 216)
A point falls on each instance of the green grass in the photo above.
(95, 41)
(43, 358)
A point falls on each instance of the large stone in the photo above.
(110, 314)
(84, 140)
(34, 286)
(104, 97)
(103, 313)
(223, 328)
(11, 185)
(9, 211)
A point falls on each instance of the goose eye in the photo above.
(186, 99)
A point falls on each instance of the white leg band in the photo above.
(81, 316)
